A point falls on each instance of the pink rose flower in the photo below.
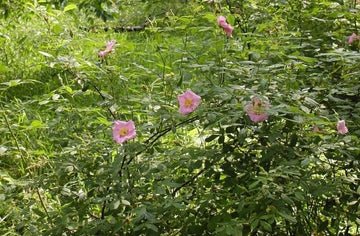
(316, 129)
(102, 53)
(228, 28)
(188, 102)
(123, 131)
(341, 127)
(108, 49)
(256, 110)
(353, 37)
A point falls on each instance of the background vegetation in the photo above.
(213, 171)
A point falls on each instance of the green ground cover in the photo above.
(212, 171)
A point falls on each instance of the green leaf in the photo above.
(4, 36)
(152, 227)
(102, 120)
(211, 138)
(3, 149)
(67, 89)
(5, 176)
(311, 101)
(45, 54)
(254, 224)
(287, 199)
(299, 196)
(55, 96)
(69, 7)
(36, 124)
(287, 217)
(57, 28)
(44, 102)
(125, 202)
(352, 202)
(4, 68)
(266, 225)
(171, 184)
(254, 184)
(114, 205)
(12, 83)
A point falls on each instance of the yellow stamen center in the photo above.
(123, 131)
(188, 102)
(258, 107)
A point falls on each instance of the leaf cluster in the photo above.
(211, 172)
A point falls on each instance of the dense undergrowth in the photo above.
(213, 171)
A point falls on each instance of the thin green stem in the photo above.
(23, 159)
(163, 69)
(16, 142)
(43, 205)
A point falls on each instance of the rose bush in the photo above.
(228, 164)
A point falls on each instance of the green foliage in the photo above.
(213, 171)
